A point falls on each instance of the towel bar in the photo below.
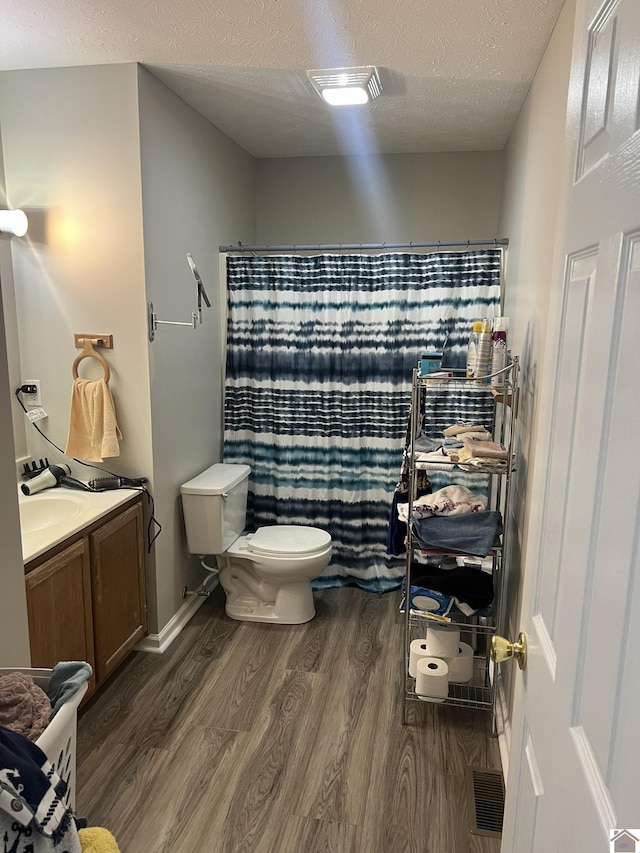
(89, 352)
(102, 341)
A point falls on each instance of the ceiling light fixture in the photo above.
(346, 86)
(14, 222)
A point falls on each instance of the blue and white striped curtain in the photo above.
(320, 354)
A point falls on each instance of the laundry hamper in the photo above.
(58, 740)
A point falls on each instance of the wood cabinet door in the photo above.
(118, 589)
(59, 608)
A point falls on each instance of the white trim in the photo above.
(503, 725)
(157, 644)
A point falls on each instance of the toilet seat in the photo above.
(282, 540)
(292, 540)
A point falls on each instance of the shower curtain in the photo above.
(320, 354)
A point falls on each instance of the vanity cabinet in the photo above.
(117, 589)
(86, 597)
(59, 608)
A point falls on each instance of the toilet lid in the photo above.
(290, 539)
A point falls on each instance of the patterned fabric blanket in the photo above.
(33, 817)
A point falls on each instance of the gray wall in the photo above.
(198, 191)
(70, 153)
(531, 207)
(391, 198)
(71, 157)
(14, 637)
(81, 147)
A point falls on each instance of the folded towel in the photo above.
(465, 583)
(451, 500)
(96, 839)
(93, 430)
(457, 429)
(486, 449)
(24, 707)
(473, 533)
(67, 677)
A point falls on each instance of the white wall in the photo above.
(71, 158)
(198, 191)
(391, 198)
(529, 216)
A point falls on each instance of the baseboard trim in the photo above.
(157, 644)
(504, 727)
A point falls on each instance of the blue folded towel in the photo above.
(67, 678)
(473, 533)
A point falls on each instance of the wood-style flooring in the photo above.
(251, 738)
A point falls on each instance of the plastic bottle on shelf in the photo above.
(499, 351)
(472, 350)
(483, 352)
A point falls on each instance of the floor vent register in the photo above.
(487, 793)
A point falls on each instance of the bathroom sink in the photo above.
(38, 512)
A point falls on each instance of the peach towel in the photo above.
(93, 430)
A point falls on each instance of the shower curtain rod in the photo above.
(498, 241)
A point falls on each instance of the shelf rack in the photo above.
(479, 692)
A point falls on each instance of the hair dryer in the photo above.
(49, 478)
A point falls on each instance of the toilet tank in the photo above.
(215, 507)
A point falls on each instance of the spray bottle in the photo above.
(483, 352)
(472, 350)
(499, 351)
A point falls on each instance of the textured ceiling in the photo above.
(454, 72)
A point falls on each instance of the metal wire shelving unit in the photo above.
(479, 692)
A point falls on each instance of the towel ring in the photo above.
(89, 352)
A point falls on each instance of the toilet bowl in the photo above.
(266, 575)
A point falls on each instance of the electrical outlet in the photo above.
(32, 399)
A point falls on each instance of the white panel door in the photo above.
(574, 767)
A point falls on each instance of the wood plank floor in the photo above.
(250, 738)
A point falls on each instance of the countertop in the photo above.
(91, 507)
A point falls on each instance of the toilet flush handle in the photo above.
(245, 544)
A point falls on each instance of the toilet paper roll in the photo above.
(417, 650)
(443, 642)
(432, 678)
(461, 667)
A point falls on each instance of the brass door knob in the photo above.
(502, 649)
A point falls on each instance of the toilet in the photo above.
(266, 575)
